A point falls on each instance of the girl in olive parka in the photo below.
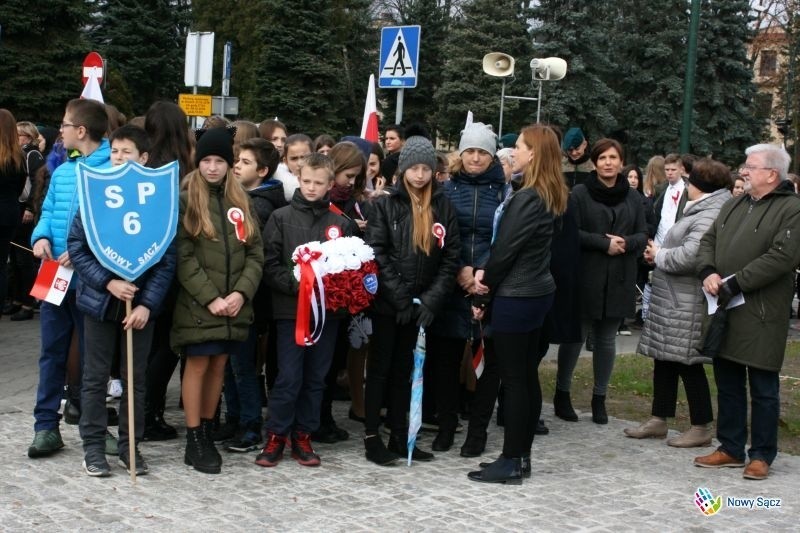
(220, 258)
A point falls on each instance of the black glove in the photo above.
(424, 316)
(724, 295)
(404, 315)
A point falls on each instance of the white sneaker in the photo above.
(115, 388)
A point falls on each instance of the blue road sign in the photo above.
(399, 57)
(130, 214)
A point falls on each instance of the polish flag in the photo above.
(369, 124)
(91, 91)
(52, 282)
(478, 361)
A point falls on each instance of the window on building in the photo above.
(763, 106)
(769, 63)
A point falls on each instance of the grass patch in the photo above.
(631, 392)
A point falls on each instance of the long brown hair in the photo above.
(421, 215)
(543, 172)
(197, 219)
(10, 152)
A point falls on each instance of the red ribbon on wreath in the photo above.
(309, 300)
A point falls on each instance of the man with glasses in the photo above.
(752, 249)
(576, 164)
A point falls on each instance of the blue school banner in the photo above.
(130, 214)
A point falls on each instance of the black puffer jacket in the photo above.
(265, 199)
(298, 223)
(404, 272)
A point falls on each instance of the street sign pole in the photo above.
(398, 113)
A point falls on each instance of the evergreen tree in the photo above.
(646, 39)
(486, 26)
(302, 72)
(145, 43)
(723, 122)
(579, 31)
(433, 17)
(41, 53)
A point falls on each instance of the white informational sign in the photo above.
(199, 59)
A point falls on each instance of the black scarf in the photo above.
(609, 196)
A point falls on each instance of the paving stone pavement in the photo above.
(585, 477)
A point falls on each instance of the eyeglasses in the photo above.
(750, 168)
(68, 125)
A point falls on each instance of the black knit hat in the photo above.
(216, 141)
(416, 150)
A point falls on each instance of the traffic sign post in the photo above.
(399, 61)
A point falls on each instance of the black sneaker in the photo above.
(246, 441)
(72, 413)
(141, 464)
(302, 452)
(95, 464)
(226, 431)
(273, 450)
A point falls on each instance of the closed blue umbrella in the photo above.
(415, 409)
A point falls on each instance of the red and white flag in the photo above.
(91, 91)
(369, 124)
(52, 282)
(478, 360)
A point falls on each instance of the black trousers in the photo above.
(442, 365)
(485, 396)
(518, 362)
(389, 365)
(665, 391)
(161, 363)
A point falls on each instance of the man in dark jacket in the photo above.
(752, 249)
(577, 164)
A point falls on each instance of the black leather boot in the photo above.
(474, 445)
(562, 405)
(197, 453)
(443, 441)
(599, 415)
(526, 465)
(398, 445)
(206, 427)
(506, 470)
(377, 453)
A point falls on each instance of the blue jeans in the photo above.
(605, 351)
(242, 394)
(296, 397)
(57, 324)
(731, 379)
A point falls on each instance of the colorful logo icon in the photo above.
(706, 502)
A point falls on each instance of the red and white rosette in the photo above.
(236, 217)
(311, 294)
(439, 232)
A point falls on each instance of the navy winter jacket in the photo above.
(93, 297)
(475, 200)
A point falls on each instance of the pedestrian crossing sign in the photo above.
(399, 57)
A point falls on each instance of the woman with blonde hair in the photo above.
(517, 285)
(654, 176)
(220, 258)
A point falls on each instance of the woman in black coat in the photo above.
(415, 236)
(613, 234)
(521, 288)
(12, 181)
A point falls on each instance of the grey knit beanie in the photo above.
(478, 135)
(416, 150)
